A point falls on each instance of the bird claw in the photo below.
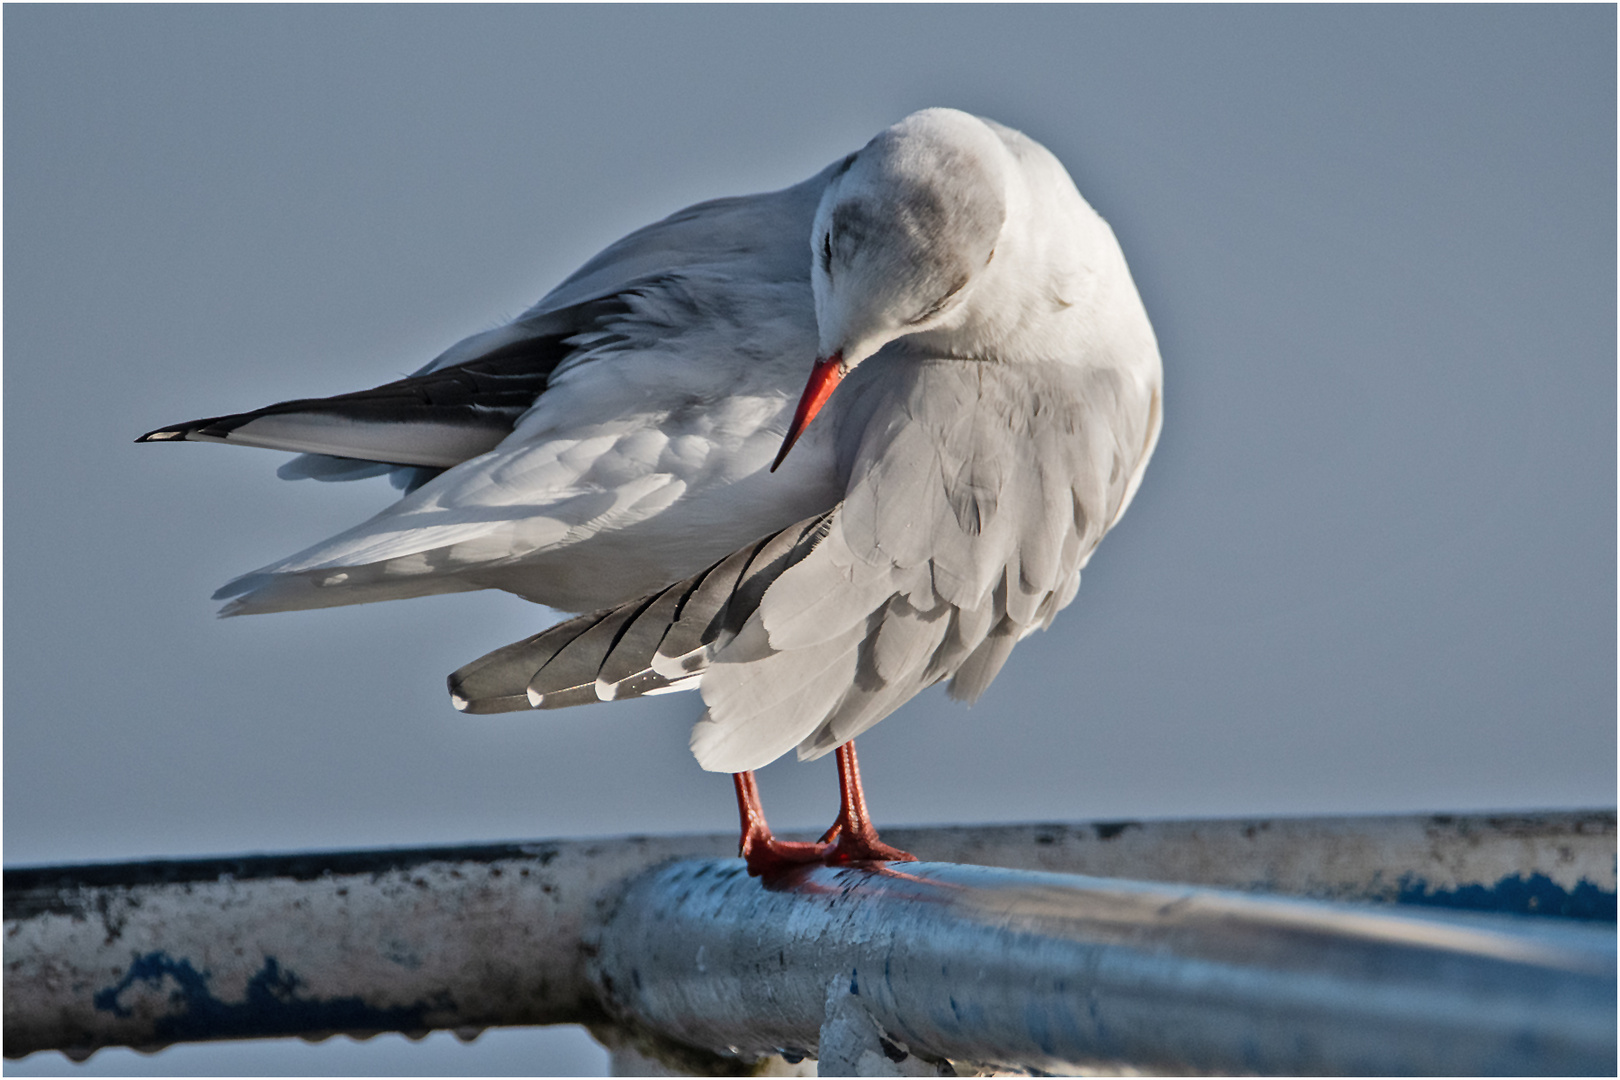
(856, 848)
(767, 856)
(851, 840)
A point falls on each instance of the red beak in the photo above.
(823, 381)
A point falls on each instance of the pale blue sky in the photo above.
(1372, 567)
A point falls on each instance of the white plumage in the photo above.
(1000, 402)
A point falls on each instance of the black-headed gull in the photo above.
(997, 399)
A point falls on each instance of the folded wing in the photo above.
(654, 374)
(976, 494)
(469, 398)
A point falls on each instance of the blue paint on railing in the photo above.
(272, 1005)
(1536, 894)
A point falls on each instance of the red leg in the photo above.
(857, 839)
(764, 853)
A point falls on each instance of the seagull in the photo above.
(983, 395)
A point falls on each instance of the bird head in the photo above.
(900, 238)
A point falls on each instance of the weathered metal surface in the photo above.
(154, 953)
(1552, 863)
(1058, 972)
(143, 954)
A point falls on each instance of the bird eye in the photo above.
(826, 252)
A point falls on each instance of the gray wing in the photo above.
(467, 400)
(768, 233)
(976, 494)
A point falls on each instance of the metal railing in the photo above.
(1014, 969)
(665, 946)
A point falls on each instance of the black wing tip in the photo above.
(215, 427)
(173, 433)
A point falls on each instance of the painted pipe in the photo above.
(1018, 970)
(149, 953)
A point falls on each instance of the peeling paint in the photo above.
(1536, 894)
(271, 1006)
